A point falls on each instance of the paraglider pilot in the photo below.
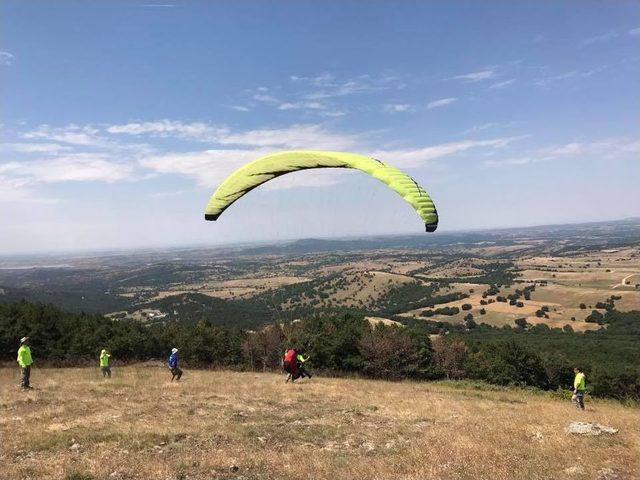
(25, 362)
(176, 373)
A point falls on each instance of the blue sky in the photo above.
(120, 118)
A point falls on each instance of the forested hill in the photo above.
(535, 356)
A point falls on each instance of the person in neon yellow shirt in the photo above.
(301, 367)
(105, 367)
(25, 361)
(579, 388)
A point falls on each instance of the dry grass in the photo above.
(223, 425)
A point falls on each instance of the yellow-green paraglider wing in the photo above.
(262, 170)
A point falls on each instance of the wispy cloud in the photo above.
(34, 147)
(411, 158)
(503, 84)
(476, 76)
(77, 167)
(310, 136)
(323, 79)
(294, 136)
(635, 31)
(6, 58)
(327, 85)
(175, 193)
(332, 113)
(18, 190)
(548, 80)
(263, 97)
(241, 108)
(302, 106)
(71, 134)
(441, 102)
(479, 128)
(397, 108)
(341, 90)
(609, 149)
(604, 37)
(83, 161)
(206, 168)
(199, 131)
(510, 161)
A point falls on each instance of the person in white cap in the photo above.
(25, 362)
(176, 373)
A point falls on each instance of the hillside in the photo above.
(555, 275)
(225, 425)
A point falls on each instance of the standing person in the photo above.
(176, 373)
(25, 362)
(105, 359)
(578, 388)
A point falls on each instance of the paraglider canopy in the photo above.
(266, 168)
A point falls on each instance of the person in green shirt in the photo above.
(579, 388)
(25, 362)
(301, 367)
(105, 367)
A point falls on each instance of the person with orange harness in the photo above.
(290, 365)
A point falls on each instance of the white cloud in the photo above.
(6, 58)
(545, 81)
(261, 97)
(175, 193)
(568, 149)
(167, 128)
(479, 128)
(206, 168)
(296, 136)
(635, 31)
(599, 38)
(360, 85)
(411, 158)
(302, 106)
(509, 161)
(332, 114)
(324, 79)
(397, 108)
(476, 76)
(71, 134)
(240, 108)
(609, 149)
(441, 102)
(34, 147)
(78, 167)
(503, 84)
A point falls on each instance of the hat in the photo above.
(24, 339)
(174, 350)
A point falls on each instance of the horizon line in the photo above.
(265, 243)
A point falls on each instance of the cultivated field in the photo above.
(225, 425)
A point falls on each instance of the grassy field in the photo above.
(225, 425)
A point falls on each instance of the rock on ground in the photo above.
(581, 428)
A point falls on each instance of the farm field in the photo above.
(569, 271)
(228, 425)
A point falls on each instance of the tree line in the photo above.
(345, 344)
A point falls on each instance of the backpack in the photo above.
(290, 356)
